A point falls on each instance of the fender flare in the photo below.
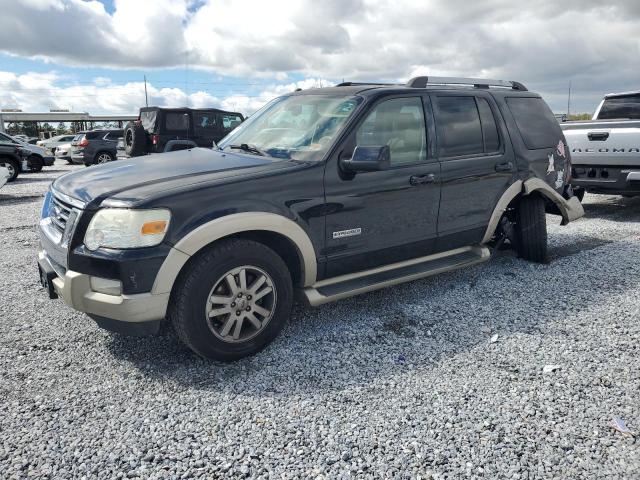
(228, 225)
(570, 210)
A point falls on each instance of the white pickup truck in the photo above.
(605, 151)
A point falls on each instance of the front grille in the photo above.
(59, 214)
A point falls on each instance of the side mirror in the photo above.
(368, 159)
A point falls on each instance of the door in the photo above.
(381, 217)
(477, 165)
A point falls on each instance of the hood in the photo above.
(161, 170)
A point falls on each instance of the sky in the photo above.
(238, 54)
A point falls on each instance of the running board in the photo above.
(349, 285)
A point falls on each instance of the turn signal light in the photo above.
(153, 228)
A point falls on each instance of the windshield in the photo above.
(299, 127)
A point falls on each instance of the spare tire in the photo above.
(135, 139)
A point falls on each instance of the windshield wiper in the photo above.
(245, 147)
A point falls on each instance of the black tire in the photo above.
(70, 162)
(579, 192)
(531, 229)
(135, 139)
(190, 299)
(13, 166)
(103, 157)
(36, 163)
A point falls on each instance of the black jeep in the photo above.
(159, 130)
(326, 192)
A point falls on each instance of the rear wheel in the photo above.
(104, 157)
(232, 300)
(13, 166)
(531, 229)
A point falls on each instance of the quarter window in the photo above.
(177, 121)
(399, 123)
(204, 122)
(459, 130)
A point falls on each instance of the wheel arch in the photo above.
(281, 234)
(569, 209)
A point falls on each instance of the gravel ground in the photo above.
(440, 378)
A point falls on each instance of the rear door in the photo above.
(381, 217)
(477, 164)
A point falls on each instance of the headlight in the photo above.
(123, 228)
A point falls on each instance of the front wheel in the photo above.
(35, 163)
(531, 229)
(232, 300)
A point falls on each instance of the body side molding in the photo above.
(229, 225)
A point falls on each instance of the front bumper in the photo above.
(75, 289)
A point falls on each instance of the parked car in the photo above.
(38, 158)
(606, 149)
(14, 159)
(63, 152)
(5, 175)
(95, 146)
(159, 130)
(50, 144)
(326, 192)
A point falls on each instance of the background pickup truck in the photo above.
(605, 151)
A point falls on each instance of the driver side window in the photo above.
(399, 123)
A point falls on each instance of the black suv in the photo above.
(15, 159)
(325, 192)
(159, 130)
(94, 146)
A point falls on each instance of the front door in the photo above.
(381, 217)
(477, 165)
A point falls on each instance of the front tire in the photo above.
(232, 300)
(531, 229)
(35, 163)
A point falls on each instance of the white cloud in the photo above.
(542, 43)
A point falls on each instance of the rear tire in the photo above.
(135, 139)
(103, 157)
(531, 229)
(245, 325)
(13, 167)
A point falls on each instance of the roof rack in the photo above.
(356, 84)
(422, 82)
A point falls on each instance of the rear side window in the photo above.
(176, 121)
(620, 107)
(458, 123)
(489, 127)
(114, 135)
(204, 122)
(93, 135)
(536, 123)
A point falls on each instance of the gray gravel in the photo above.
(440, 378)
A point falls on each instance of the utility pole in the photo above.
(569, 101)
(146, 99)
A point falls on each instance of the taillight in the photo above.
(84, 142)
(155, 138)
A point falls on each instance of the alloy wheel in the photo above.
(104, 158)
(241, 304)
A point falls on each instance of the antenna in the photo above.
(569, 101)
(146, 99)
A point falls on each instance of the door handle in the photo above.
(598, 136)
(504, 167)
(422, 179)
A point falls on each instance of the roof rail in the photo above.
(356, 84)
(422, 82)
